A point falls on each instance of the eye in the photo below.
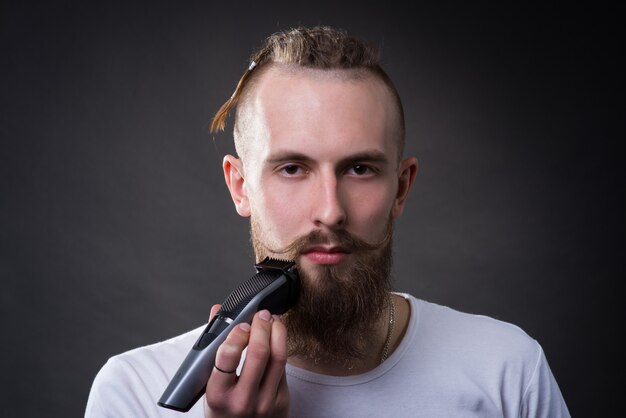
(361, 170)
(291, 170)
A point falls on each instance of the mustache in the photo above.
(340, 238)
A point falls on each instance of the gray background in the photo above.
(117, 230)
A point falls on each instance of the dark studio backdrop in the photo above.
(118, 231)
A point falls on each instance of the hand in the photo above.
(261, 389)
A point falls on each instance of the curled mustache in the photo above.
(340, 238)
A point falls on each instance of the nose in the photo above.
(329, 210)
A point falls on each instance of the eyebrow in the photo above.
(281, 157)
(372, 156)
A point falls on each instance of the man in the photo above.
(320, 172)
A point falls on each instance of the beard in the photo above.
(339, 305)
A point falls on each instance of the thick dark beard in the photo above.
(339, 307)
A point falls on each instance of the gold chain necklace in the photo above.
(392, 314)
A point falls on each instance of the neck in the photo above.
(372, 359)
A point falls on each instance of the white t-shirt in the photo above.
(449, 364)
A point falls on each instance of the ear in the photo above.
(233, 174)
(407, 172)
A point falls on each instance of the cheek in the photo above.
(370, 210)
(279, 212)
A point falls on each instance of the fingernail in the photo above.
(265, 315)
(244, 326)
(276, 317)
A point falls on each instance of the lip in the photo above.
(325, 255)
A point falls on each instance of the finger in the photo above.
(227, 359)
(214, 310)
(283, 400)
(258, 352)
(273, 380)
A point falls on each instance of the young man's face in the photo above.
(323, 157)
(320, 169)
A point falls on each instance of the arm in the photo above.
(542, 397)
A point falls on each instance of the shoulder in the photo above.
(472, 330)
(499, 357)
(130, 383)
(154, 360)
(474, 344)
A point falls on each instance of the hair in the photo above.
(319, 47)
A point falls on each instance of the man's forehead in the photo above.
(301, 96)
(310, 105)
